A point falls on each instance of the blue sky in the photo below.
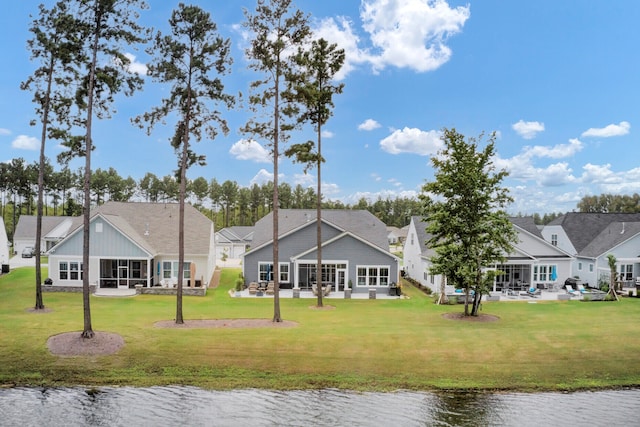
(559, 81)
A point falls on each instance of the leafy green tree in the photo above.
(191, 59)
(105, 26)
(276, 29)
(464, 208)
(315, 91)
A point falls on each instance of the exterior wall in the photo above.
(355, 253)
(108, 242)
(288, 247)
(586, 269)
(415, 265)
(347, 250)
(563, 241)
(4, 245)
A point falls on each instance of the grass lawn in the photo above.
(360, 344)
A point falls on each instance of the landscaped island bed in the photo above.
(359, 344)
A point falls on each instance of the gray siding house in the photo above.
(355, 251)
(136, 244)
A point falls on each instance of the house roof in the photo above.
(360, 223)
(527, 223)
(236, 234)
(582, 228)
(422, 235)
(154, 226)
(613, 235)
(26, 227)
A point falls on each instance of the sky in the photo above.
(558, 81)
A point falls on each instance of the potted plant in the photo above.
(347, 290)
(239, 285)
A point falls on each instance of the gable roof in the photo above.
(526, 224)
(360, 223)
(582, 228)
(613, 235)
(154, 226)
(26, 227)
(236, 234)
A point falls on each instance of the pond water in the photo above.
(188, 406)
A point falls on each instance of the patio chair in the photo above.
(533, 292)
(572, 291)
(270, 288)
(253, 288)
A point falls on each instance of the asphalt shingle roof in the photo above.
(582, 228)
(361, 223)
(155, 225)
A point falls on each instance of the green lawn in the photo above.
(361, 344)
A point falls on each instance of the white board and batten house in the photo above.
(533, 262)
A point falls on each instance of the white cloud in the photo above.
(368, 125)
(342, 34)
(411, 33)
(556, 152)
(24, 142)
(132, 66)
(555, 175)
(528, 130)
(412, 140)
(403, 33)
(4, 131)
(376, 177)
(620, 129)
(262, 177)
(327, 134)
(250, 150)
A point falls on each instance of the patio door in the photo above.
(123, 274)
(341, 276)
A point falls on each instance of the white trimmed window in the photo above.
(554, 239)
(70, 270)
(372, 275)
(543, 272)
(265, 272)
(170, 269)
(626, 271)
(283, 268)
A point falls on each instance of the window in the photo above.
(544, 273)
(590, 268)
(284, 272)
(170, 269)
(372, 276)
(70, 270)
(579, 266)
(554, 239)
(626, 271)
(265, 273)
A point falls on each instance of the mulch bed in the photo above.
(72, 344)
(478, 318)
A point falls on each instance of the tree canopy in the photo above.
(464, 208)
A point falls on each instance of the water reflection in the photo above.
(189, 406)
